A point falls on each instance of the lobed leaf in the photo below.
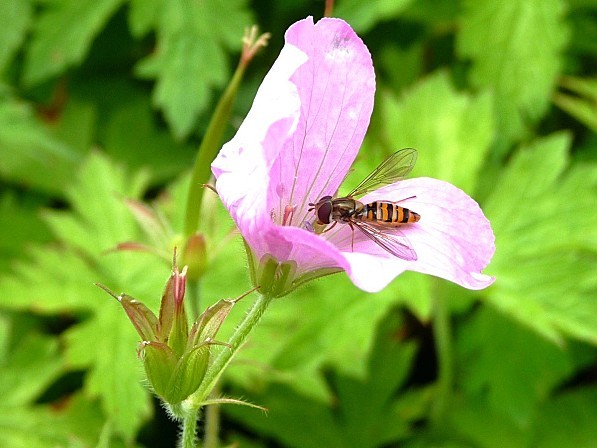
(16, 21)
(63, 35)
(190, 59)
(521, 70)
(546, 235)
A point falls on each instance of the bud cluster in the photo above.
(175, 357)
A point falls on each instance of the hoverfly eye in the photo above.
(324, 210)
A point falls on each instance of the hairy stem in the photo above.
(194, 402)
(189, 430)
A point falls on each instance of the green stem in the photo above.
(442, 333)
(216, 369)
(189, 430)
(212, 422)
(214, 372)
(207, 151)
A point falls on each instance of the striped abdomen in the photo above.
(388, 212)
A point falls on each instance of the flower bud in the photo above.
(195, 256)
(175, 359)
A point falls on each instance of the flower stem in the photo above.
(251, 318)
(211, 142)
(216, 369)
(189, 430)
(442, 333)
(212, 422)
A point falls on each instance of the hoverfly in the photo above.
(379, 220)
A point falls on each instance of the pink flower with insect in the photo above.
(294, 149)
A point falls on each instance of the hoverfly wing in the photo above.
(394, 168)
(392, 240)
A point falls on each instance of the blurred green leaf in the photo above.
(28, 370)
(452, 131)
(366, 412)
(131, 136)
(29, 154)
(327, 323)
(190, 59)
(502, 39)
(76, 126)
(478, 425)
(63, 34)
(143, 16)
(546, 237)
(363, 15)
(75, 424)
(514, 366)
(61, 280)
(16, 20)
(21, 226)
(583, 104)
(569, 420)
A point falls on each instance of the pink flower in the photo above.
(297, 144)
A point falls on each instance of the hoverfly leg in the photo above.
(405, 199)
(331, 227)
(352, 237)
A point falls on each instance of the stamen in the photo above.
(288, 214)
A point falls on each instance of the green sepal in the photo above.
(188, 374)
(206, 328)
(145, 322)
(174, 326)
(273, 278)
(180, 332)
(167, 309)
(159, 361)
(143, 319)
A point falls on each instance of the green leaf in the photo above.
(582, 105)
(502, 40)
(569, 420)
(143, 16)
(190, 59)
(363, 15)
(452, 139)
(24, 226)
(63, 35)
(546, 238)
(27, 149)
(478, 425)
(131, 136)
(513, 366)
(60, 279)
(16, 19)
(75, 423)
(366, 412)
(28, 369)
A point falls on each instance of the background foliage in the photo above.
(106, 101)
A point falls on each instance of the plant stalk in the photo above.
(194, 402)
(442, 333)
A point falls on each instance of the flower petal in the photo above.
(336, 87)
(453, 240)
(299, 139)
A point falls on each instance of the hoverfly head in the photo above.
(323, 210)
